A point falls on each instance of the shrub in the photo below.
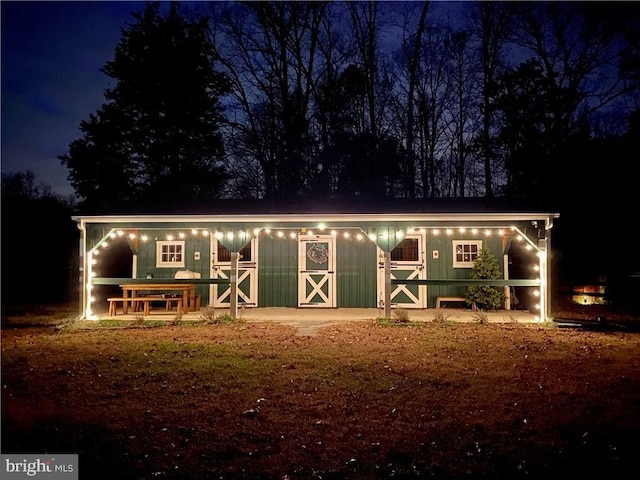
(440, 316)
(400, 315)
(208, 314)
(481, 317)
(485, 296)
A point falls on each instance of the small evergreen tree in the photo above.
(486, 297)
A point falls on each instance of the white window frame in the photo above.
(160, 252)
(463, 264)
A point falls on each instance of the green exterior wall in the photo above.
(356, 264)
(442, 267)
(199, 243)
(356, 273)
(146, 255)
(277, 272)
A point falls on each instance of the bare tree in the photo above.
(433, 98)
(364, 22)
(580, 51)
(269, 50)
(490, 25)
(411, 48)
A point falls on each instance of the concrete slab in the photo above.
(309, 320)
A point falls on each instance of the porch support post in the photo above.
(387, 284)
(547, 283)
(82, 265)
(233, 302)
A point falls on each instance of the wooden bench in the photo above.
(145, 301)
(439, 300)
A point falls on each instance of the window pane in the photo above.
(224, 254)
(407, 251)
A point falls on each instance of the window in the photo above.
(465, 252)
(224, 254)
(407, 251)
(170, 254)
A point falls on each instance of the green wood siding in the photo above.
(277, 272)
(442, 267)
(356, 273)
(146, 255)
(146, 251)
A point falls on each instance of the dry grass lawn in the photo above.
(356, 401)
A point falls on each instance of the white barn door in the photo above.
(316, 271)
(407, 263)
(220, 295)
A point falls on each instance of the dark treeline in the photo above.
(39, 242)
(358, 99)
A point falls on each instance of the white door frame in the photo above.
(322, 280)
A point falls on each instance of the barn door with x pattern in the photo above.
(407, 263)
(247, 275)
(316, 271)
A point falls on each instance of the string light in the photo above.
(346, 234)
(397, 233)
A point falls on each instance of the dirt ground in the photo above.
(355, 401)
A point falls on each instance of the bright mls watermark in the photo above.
(50, 467)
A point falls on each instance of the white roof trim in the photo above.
(310, 218)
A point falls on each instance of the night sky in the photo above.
(52, 53)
